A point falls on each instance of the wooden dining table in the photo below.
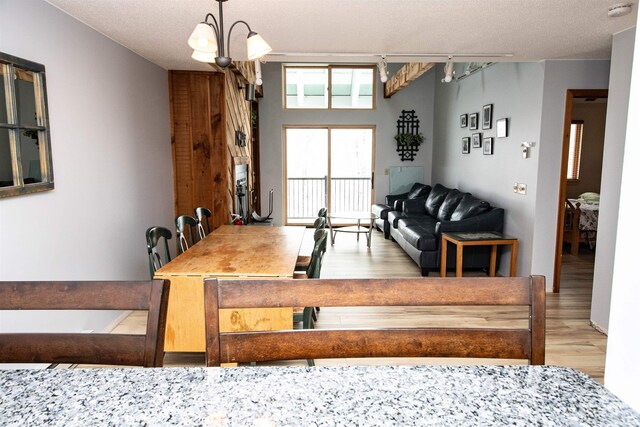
(230, 251)
(303, 396)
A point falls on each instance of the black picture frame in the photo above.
(502, 128)
(466, 143)
(487, 116)
(473, 121)
(476, 140)
(463, 120)
(487, 146)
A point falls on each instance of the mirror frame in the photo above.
(8, 63)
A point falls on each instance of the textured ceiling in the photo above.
(527, 29)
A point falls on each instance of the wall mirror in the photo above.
(25, 148)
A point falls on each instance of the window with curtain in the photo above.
(575, 147)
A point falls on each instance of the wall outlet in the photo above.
(522, 188)
(515, 187)
(386, 171)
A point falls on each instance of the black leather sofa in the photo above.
(419, 223)
(394, 202)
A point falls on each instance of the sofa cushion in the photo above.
(420, 236)
(419, 190)
(449, 204)
(469, 206)
(394, 216)
(435, 199)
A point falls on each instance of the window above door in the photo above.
(332, 87)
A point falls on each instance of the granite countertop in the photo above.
(316, 396)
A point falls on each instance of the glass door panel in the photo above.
(351, 170)
(307, 163)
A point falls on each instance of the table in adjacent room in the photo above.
(480, 238)
(227, 252)
(351, 217)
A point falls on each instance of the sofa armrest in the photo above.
(391, 198)
(492, 220)
(414, 206)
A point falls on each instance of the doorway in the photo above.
(580, 175)
(327, 166)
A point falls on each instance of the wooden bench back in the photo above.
(227, 347)
(104, 349)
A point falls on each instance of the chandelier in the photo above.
(207, 41)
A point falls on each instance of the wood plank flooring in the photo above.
(570, 340)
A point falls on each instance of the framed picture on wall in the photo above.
(466, 141)
(476, 140)
(473, 121)
(487, 146)
(502, 128)
(463, 121)
(487, 113)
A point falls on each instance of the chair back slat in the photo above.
(375, 292)
(109, 349)
(526, 343)
(416, 342)
(101, 349)
(75, 295)
(203, 215)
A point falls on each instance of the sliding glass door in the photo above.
(328, 166)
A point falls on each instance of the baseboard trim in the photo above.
(599, 328)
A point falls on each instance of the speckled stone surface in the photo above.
(302, 396)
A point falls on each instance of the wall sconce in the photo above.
(448, 70)
(382, 69)
(250, 91)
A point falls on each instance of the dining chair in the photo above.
(322, 213)
(203, 215)
(185, 225)
(87, 348)
(302, 262)
(503, 343)
(157, 259)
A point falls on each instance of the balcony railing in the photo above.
(305, 196)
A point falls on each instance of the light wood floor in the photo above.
(570, 340)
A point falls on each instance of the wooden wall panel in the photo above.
(206, 110)
(219, 160)
(181, 140)
(201, 142)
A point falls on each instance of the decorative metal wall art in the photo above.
(408, 138)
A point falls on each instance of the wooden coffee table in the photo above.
(481, 238)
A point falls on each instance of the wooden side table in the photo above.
(487, 238)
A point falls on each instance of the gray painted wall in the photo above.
(515, 90)
(612, 160)
(110, 139)
(419, 97)
(622, 373)
(558, 77)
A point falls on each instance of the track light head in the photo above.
(449, 72)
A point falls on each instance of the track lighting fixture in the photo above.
(382, 69)
(448, 70)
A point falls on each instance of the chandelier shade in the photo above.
(256, 46)
(203, 39)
